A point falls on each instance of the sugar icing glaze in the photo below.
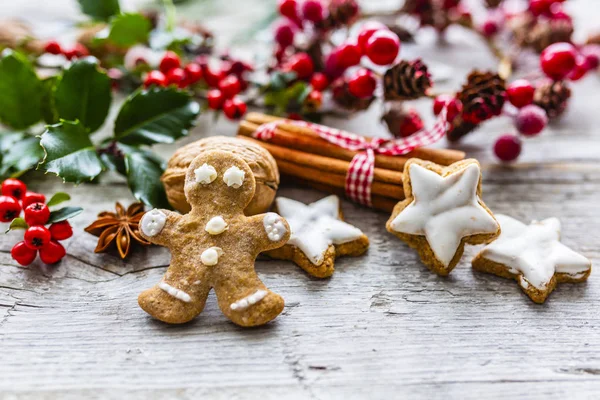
(444, 210)
(205, 174)
(234, 177)
(177, 293)
(274, 227)
(153, 222)
(534, 251)
(247, 301)
(316, 226)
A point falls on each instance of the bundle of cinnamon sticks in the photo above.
(305, 158)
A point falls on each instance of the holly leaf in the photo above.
(49, 113)
(21, 156)
(17, 223)
(64, 214)
(20, 91)
(100, 9)
(84, 94)
(58, 198)
(129, 29)
(70, 153)
(156, 115)
(143, 170)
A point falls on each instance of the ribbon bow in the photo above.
(360, 173)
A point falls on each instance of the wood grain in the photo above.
(383, 327)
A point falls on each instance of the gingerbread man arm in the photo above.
(157, 226)
(270, 230)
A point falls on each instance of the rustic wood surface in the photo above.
(382, 327)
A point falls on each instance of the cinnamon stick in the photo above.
(336, 180)
(324, 163)
(379, 202)
(438, 156)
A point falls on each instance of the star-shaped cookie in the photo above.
(534, 256)
(318, 235)
(443, 210)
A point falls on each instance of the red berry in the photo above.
(332, 68)
(193, 72)
(22, 254)
(539, 7)
(37, 214)
(367, 30)
(314, 99)
(234, 108)
(301, 64)
(80, 50)
(362, 84)
(520, 93)
(32, 197)
(319, 81)
(284, 34)
(215, 99)
(289, 9)
(440, 101)
(312, 10)
(508, 147)
(37, 236)
(454, 105)
(155, 78)
(558, 60)
(490, 27)
(212, 77)
(591, 52)
(9, 208)
(531, 120)
(383, 47)
(349, 54)
(52, 252)
(177, 77)
(169, 61)
(61, 230)
(448, 4)
(14, 188)
(580, 70)
(230, 86)
(412, 123)
(53, 47)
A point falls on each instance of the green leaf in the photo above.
(64, 214)
(100, 9)
(17, 223)
(144, 170)
(21, 156)
(20, 91)
(84, 94)
(49, 113)
(129, 29)
(156, 115)
(58, 198)
(70, 153)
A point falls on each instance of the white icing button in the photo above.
(205, 174)
(210, 257)
(234, 177)
(216, 225)
(274, 227)
(153, 222)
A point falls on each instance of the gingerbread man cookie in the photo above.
(443, 210)
(533, 256)
(214, 246)
(318, 235)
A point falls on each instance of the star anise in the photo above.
(120, 228)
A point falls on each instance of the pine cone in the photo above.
(492, 3)
(405, 35)
(341, 13)
(545, 33)
(406, 80)
(521, 25)
(593, 38)
(459, 129)
(553, 97)
(345, 99)
(423, 9)
(482, 96)
(402, 122)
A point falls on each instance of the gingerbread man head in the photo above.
(214, 246)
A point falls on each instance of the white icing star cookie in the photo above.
(443, 210)
(533, 256)
(318, 235)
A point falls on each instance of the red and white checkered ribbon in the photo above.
(360, 173)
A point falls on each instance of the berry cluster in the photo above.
(224, 83)
(37, 238)
(78, 50)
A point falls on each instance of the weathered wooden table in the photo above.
(382, 327)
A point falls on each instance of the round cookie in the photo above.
(259, 160)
